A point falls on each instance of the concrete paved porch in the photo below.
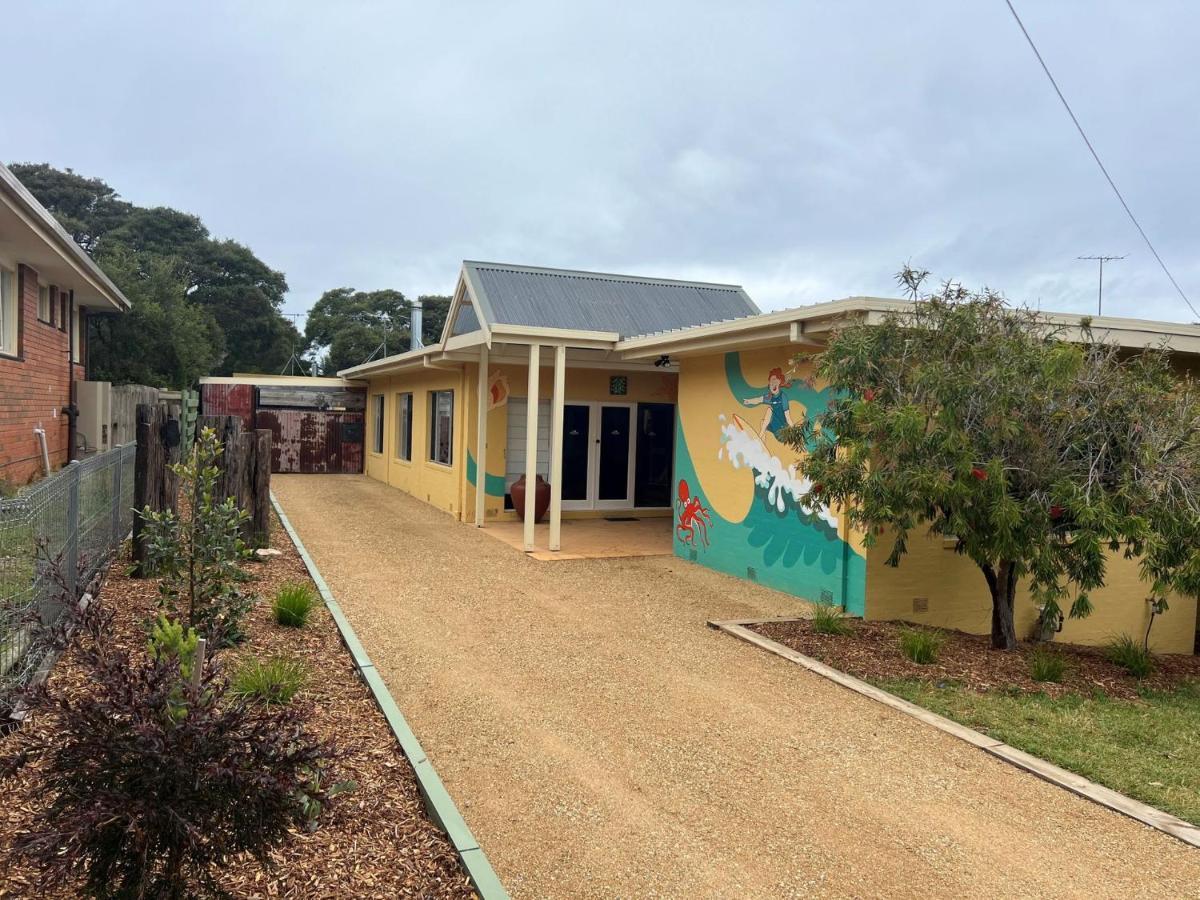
(591, 538)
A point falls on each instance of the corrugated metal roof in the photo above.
(592, 301)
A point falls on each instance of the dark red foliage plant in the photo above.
(153, 781)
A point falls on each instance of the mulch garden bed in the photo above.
(376, 841)
(872, 653)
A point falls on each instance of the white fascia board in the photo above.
(42, 223)
(534, 334)
(463, 294)
(479, 298)
(390, 363)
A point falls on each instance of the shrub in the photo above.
(196, 553)
(275, 681)
(921, 646)
(1047, 665)
(145, 802)
(1131, 656)
(829, 619)
(293, 602)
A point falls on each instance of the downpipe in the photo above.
(41, 437)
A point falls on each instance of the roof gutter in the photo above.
(42, 222)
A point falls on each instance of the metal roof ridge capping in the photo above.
(596, 301)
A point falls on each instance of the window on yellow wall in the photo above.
(377, 423)
(404, 426)
(441, 427)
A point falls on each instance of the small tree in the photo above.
(1036, 449)
(196, 552)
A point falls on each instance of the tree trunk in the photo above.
(1002, 582)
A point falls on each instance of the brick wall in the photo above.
(34, 388)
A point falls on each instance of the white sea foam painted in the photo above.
(780, 481)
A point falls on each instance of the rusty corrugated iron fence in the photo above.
(73, 522)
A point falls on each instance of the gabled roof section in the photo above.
(57, 248)
(593, 301)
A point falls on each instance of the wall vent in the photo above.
(920, 604)
(692, 554)
(827, 598)
(752, 573)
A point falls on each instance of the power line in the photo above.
(1096, 156)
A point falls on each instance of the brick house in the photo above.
(48, 288)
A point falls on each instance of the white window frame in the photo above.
(76, 331)
(10, 304)
(404, 422)
(435, 432)
(377, 405)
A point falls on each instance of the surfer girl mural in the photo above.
(778, 416)
(773, 462)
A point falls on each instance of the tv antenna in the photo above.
(1100, 293)
(294, 361)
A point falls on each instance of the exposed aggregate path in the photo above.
(601, 741)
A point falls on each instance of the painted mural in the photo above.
(739, 506)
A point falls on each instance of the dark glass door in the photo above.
(576, 446)
(614, 453)
(655, 454)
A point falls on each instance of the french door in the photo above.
(598, 456)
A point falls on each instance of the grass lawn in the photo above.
(1147, 748)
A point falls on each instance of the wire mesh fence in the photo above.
(57, 534)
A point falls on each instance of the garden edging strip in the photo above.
(1056, 775)
(438, 801)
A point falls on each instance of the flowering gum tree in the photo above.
(1038, 449)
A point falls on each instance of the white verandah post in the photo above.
(531, 423)
(481, 438)
(556, 440)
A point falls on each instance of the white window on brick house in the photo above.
(76, 332)
(8, 311)
(44, 303)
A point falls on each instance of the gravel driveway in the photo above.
(603, 742)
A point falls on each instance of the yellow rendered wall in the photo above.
(958, 598)
(581, 385)
(449, 488)
(432, 482)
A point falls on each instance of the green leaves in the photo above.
(1037, 448)
(196, 553)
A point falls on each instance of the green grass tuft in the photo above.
(293, 603)
(1131, 656)
(921, 646)
(275, 681)
(1047, 665)
(829, 619)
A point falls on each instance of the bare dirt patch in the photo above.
(872, 652)
(376, 841)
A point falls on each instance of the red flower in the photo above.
(1056, 512)
(817, 488)
(979, 473)
(869, 394)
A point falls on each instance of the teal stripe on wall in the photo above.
(494, 483)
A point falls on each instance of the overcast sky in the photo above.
(803, 150)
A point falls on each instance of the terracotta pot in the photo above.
(541, 498)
